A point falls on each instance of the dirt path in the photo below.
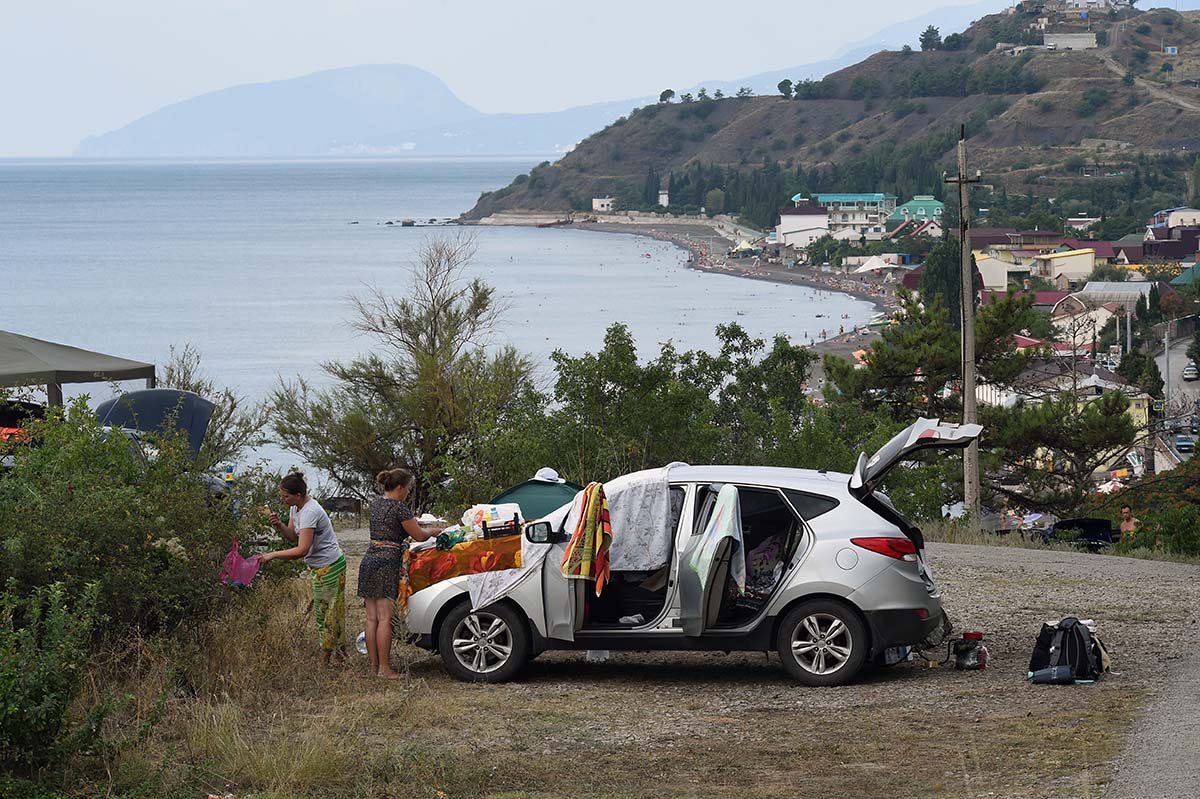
(1149, 87)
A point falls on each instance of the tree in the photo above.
(686, 97)
(714, 201)
(1154, 312)
(823, 250)
(651, 187)
(666, 95)
(1111, 273)
(702, 94)
(1041, 455)
(430, 385)
(1140, 370)
(908, 369)
(906, 50)
(1196, 180)
(745, 91)
(718, 95)
(235, 425)
(905, 370)
(941, 276)
(931, 38)
(955, 41)
(785, 88)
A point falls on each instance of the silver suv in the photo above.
(817, 566)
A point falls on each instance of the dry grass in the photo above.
(952, 532)
(252, 713)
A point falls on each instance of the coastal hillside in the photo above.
(399, 109)
(1038, 120)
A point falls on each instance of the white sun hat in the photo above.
(548, 475)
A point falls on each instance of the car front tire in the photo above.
(822, 642)
(486, 645)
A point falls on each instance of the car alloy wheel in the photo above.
(483, 642)
(822, 643)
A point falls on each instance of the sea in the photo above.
(255, 265)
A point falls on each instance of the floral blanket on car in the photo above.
(423, 569)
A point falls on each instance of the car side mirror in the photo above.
(542, 533)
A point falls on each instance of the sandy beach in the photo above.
(696, 238)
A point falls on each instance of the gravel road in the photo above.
(1149, 617)
(981, 733)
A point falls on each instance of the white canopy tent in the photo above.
(876, 262)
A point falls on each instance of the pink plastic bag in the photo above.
(238, 571)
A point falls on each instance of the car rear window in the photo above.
(810, 506)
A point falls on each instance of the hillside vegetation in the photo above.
(890, 123)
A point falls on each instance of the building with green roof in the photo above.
(920, 208)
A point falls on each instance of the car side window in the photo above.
(678, 495)
(810, 506)
(706, 497)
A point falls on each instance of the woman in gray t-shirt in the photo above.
(309, 527)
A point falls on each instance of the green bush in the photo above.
(1093, 100)
(43, 646)
(85, 506)
(1173, 529)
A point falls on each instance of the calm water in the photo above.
(254, 263)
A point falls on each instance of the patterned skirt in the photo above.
(379, 572)
(329, 604)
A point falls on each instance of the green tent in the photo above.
(538, 497)
(26, 361)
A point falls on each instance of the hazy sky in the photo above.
(77, 67)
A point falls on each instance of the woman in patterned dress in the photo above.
(392, 525)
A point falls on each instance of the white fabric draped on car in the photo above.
(639, 509)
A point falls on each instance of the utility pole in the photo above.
(1167, 363)
(971, 489)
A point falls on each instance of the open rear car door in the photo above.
(923, 434)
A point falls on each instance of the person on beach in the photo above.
(392, 525)
(309, 527)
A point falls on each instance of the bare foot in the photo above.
(388, 675)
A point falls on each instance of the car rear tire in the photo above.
(486, 645)
(822, 642)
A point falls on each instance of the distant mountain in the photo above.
(310, 115)
(387, 109)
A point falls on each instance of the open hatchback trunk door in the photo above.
(923, 434)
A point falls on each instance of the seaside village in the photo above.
(1093, 293)
(1086, 287)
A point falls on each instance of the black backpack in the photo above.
(1069, 645)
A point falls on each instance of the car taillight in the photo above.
(898, 548)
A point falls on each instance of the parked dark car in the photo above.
(1091, 534)
(142, 414)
